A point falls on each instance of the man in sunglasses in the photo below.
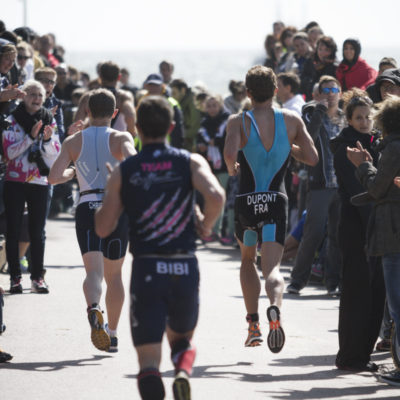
(324, 120)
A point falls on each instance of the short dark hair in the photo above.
(179, 84)
(387, 118)
(109, 71)
(325, 79)
(154, 116)
(101, 103)
(291, 79)
(261, 83)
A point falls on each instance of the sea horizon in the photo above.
(213, 68)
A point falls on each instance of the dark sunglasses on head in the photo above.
(23, 57)
(327, 90)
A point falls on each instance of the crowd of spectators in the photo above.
(42, 99)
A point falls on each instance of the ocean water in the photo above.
(212, 68)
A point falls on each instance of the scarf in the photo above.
(27, 120)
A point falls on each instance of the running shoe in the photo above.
(254, 338)
(15, 285)
(4, 357)
(226, 241)
(100, 338)
(113, 345)
(212, 238)
(39, 286)
(392, 378)
(276, 336)
(113, 342)
(181, 386)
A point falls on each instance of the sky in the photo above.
(206, 24)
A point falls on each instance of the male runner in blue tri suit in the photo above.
(258, 146)
(90, 150)
(156, 189)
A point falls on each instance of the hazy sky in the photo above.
(205, 24)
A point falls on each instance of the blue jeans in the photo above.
(391, 272)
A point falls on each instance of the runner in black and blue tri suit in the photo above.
(156, 189)
(258, 146)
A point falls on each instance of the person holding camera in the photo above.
(31, 145)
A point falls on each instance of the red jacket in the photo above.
(359, 75)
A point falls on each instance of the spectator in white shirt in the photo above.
(287, 93)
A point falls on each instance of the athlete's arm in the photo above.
(232, 144)
(303, 148)
(59, 172)
(207, 184)
(128, 110)
(106, 217)
(127, 145)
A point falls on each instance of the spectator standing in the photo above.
(373, 90)
(354, 71)
(323, 63)
(324, 120)
(64, 85)
(210, 144)
(155, 87)
(182, 93)
(31, 145)
(363, 291)
(234, 102)
(384, 224)
(288, 92)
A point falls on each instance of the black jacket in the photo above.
(311, 74)
(348, 183)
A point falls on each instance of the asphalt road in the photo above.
(49, 337)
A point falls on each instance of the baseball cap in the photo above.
(155, 79)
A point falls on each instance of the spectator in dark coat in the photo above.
(354, 71)
(323, 63)
(373, 90)
(383, 233)
(363, 290)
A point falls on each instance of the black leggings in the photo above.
(15, 196)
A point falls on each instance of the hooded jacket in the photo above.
(355, 73)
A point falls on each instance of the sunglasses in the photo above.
(23, 57)
(327, 90)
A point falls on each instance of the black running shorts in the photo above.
(164, 290)
(113, 246)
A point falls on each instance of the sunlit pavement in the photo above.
(49, 337)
